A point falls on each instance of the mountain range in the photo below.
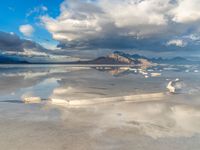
(117, 58)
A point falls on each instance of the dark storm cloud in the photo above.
(12, 42)
(154, 44)
(12, 47)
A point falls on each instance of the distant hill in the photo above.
(117, 58)
(175, 60)
(121, 58)
(11, 60)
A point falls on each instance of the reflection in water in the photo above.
(129, 101)
(12, 101)
(154, 119)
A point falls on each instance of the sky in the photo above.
(71, 30)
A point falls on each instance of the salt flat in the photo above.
(134, 113)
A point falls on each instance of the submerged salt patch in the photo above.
(61, 90)
(155, 74)
(29, 98)
(32, 99)
(57, 101)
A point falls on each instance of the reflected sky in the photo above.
(76, 82)
(107, 99)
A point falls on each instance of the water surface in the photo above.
(98, 107)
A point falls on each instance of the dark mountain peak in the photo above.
(136, 59)
(133, 56)
(122, 58)
(136, 56)
(179, 58)
(123, 54)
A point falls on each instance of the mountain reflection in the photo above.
(89, 82)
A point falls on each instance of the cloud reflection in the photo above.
(157, 120)
(130, 103)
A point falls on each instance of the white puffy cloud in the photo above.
(177, 42)
(122, 23)
(186, 11)
(90, 19)
(76, 20)
(26, 30)
(39, 10)
(131, 13)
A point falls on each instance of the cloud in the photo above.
(26, 30)
(177, 42)
(186, 11)
(10, 42)
(13, 46)
(39, 10)
(12, 9)
(193, 37)
(122, 24)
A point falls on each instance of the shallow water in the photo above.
(99, 108)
